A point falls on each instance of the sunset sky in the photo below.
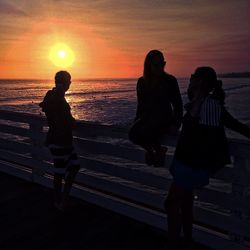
(110, 38)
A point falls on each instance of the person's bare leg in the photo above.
(57, 184)
(160, 155)
(173, 206)
(70, 177)
(187, 216)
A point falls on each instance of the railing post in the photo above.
(36, 136)
(239, 190)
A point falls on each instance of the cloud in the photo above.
(9, 9)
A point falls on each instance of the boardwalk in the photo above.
(113, 176)
(28, 221)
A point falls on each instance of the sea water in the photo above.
(109, 101)
(113, 102)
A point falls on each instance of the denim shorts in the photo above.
(187, 177)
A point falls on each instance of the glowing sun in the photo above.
(61, 55)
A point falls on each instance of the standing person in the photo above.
(201, 150)
(59, 138)
(159, 108)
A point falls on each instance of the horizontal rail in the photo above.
(114, 175)
(13, 130)
(149, 198)
(15, 146)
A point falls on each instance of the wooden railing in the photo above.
(113, 175)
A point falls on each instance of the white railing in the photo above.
(114, 176)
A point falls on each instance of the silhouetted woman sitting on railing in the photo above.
(159, 108)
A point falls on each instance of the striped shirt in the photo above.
(210, 112)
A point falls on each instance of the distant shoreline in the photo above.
(235, 75)
(76, 79)
(220, 75)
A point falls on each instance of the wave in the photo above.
(17, 99)
(228, 89)
(241, 86)
(101, 92)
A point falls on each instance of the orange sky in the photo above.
(111, 38)
(29, 55)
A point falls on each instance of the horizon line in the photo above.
(85, 79)
(116, 78)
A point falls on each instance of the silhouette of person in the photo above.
(201, 150)
(59, 138)
(159, 108)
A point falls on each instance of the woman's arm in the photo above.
(176, 102)
(140, 89)
(230, 122)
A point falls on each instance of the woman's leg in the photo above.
(160, 155)
(187, 216)
(160, 151)
(179, 208)
(173, 205)
(57, 184)
(140, 134)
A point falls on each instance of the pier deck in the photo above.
(113, 176)
(29, 222)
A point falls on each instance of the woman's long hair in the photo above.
(210, 83)
(147, 73)
(207, 84)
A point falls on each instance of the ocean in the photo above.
(110, 102)
(113, 102)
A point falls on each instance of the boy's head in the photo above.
(63, 80)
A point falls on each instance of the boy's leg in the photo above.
(70, 177)
(57, 153)
(73, 167)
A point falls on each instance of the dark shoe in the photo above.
(58, 206)
(165, 204)
(150, 158)
(160, 157)
(188, 245)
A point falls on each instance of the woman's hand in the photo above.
(173, 130)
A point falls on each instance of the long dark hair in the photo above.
(147, 73)
(210, 83)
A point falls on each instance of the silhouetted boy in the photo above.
(59, 138)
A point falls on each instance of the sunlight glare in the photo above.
(61, 55)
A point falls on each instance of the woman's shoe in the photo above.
(150, 158)
(160, 157)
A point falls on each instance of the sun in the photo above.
(61, 55)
